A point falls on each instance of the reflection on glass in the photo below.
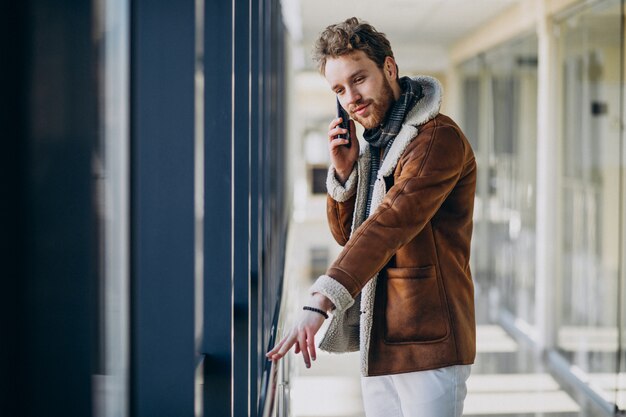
(111, 166)
(502, 86)
(587, 283)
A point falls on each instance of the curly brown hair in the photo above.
(350, 36)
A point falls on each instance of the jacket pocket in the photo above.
(414, 310)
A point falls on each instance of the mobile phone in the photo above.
(345, 123)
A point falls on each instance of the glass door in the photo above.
(513, 93)
(588, 279)
(500, 119)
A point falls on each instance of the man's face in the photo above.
(363, 88)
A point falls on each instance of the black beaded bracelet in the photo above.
(317, 310)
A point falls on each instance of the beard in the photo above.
(379, 106)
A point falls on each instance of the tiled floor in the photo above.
(510, 380)
(507, 380)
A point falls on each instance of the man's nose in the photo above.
(353, 96)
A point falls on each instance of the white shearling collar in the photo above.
(423, 111)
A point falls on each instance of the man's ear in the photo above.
(390, 68)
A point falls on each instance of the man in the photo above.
(401, 290)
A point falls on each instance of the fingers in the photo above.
(334, 129)
(302, 336)
(304, 343)
(334, 123)
(311, 345)
(276, 348)
(332, 133)
(335, 143)
(302, 340)
(285, 347)
(282, 348)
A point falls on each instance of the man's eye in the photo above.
(339, 92)
(359, 80)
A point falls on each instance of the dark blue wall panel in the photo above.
(241, 219)
(218, 223)
(14, 44)
(49, 119)
(162, 129)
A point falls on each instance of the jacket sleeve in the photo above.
(428, 173)
(340, 204)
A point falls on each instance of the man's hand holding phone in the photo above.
(342, 144)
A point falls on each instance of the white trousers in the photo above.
(436, 393)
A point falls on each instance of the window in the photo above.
(319, 261)
(318, 179)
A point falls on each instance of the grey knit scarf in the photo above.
(383, 136)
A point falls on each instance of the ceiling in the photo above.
(420, 31)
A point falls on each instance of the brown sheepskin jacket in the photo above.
(402, 286)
